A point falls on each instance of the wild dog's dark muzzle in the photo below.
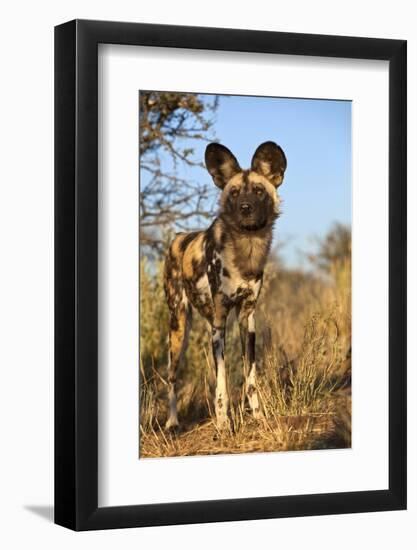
(246, 208)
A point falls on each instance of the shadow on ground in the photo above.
(45, 512)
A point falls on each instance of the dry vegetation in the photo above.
(303, 356)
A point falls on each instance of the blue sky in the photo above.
(316, 138)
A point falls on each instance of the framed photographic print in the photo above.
(230, 244)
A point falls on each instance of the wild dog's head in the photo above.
(249, 198)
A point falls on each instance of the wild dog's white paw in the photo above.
(222, 418)
(223, 427)
(252, 394)
(221, 407)
(257, 413)
(223, 423)
(172, 424)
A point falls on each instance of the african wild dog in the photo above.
(221, 268)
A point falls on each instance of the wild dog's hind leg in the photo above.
(248, 337)
(180, 319)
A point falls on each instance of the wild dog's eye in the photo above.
(259, 191)
(234, 192)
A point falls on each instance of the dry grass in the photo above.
(303, 355)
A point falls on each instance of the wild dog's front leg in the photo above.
(248, 339)
(221, 310)
(221, 404)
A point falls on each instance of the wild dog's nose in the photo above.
(246, 208)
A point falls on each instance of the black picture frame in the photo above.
(76, 272)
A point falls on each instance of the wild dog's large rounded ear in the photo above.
(269, 160)
(221, 164)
